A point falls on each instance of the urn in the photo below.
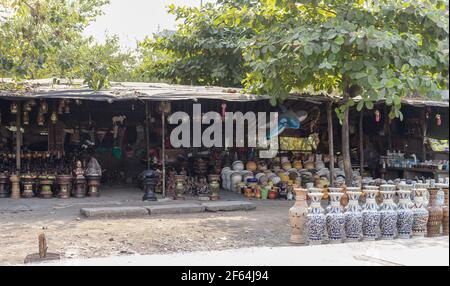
(316, 221)
(420, 214)
(335, 218)
(436, 214)
(371, 215)
(405, 215)
(297, 217)
(353, 217)
(388, 210)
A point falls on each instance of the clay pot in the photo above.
(297, 217)
(262, 166)
(93, 183)
(79, 190)
(309, 165)
(273, 194)
(297, 165)
(445, 210)
(214, 186)
(46, 188)
(286, 166)
(180, 188)
(420, 214)
(64, 182)
(371, 216)
(238, 166)
(436, 214)
(251, 166)
(28, 182)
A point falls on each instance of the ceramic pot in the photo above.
(371, 216)
(445, 210)
(28, 182)
(436, 214)
(276, 168)
(309, 165)
(262, 166)
(79, 190)
(64, 182)
(265, 192)
(235, 179)
(180, 188)
(420, 214)
(4, 185)
(251, 166)
(353, 217)
(388, 212)
(405, 215)
(214, 187)
(262, 178)
(93, 184)
(297, 217)
(297, 165)
(406, 187)
(335, 218)
(46, 188)
(286, 166)
(223, 177)
(238, 166)
(316, 220)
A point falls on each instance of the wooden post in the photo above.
(147, 134)
(361, 142)
(18, 137)
(424, 134)
(387, 124)
(163, 123)
(330, 141)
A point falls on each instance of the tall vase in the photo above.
(436, 214)
(388, 210)
(371, 215)
(316, 221)
(353, 217)
(445, 209)
(297, 216)
(335, 218)
(420, 214)
(405, 215)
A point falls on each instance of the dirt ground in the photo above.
(73, 236)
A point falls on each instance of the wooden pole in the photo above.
(163, 119)
(361, 142)
(18, 137)
(147, 141)
(424, 134)
(388, 127)
(330, 141)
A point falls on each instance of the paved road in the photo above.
(419, 251)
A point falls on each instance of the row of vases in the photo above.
(369, 222)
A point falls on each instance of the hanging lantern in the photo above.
(78, 102)
(40, 119)
(14, 107)
(27, 106)
(438, 120)
(54, 117)
(43, 108)
(377, 116)
(67, 109)
(61, 107)
(26, 118)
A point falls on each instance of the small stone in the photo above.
(111, 239)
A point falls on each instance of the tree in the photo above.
(203, 50)
(380, 50)
(41, 39)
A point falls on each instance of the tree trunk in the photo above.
(361, 142)
(346, 145)
(330, 141)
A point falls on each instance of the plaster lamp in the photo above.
(54, 117)
(14, 107)
(43, 108)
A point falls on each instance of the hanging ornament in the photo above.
(67, 109)
(54, 117)
(14, 107)
(438, 120)
(27, 106)
(43, 108)
(78, 102)
(224, 110)
(40, 119)
(61, 107)
(132, 107)
(26, 118)
(377, 115)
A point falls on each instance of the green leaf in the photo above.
(335, 48)
(360, 105)
(339, 40)
(369, 105)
